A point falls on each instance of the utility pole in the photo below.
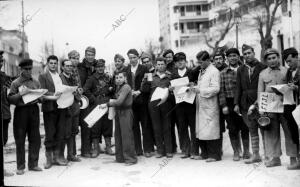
(291, 23)
(23, 31)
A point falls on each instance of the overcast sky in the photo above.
(85, 22)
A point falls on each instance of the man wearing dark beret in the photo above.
(290, 56)
(185, 112)
(246, 95)
(135, 75)
(98, 88)
(26, 118)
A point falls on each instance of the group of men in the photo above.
(226, 88)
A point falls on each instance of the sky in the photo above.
(82, 23)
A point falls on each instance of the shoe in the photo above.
(129, 163)
(8, 174)
(20, 172)
(49, 159)
(73, 159)
(274, 162)
(198, 157)
(255, 158)
(185, 156)
(236, 156)
(294, 166)
(86, 155)
(211, 160)
(36, 168)
(95, 148)
(158, 155)
(148, 155)
(246, 155)
(169, 155)
(57, 160)
(108, 149)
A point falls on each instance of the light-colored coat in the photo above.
(207, 105)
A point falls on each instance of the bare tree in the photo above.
(222, 32)
(265, 22)
(47, 49)
(151, 48)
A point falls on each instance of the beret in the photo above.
(232, 50)
(289, 51)
(100, 63)
(25, 62)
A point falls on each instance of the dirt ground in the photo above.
(103, 171)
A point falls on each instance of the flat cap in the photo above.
(289, 51)
(232, 50)
(100, 63)
(270, 51)
(145, 55)
(26, 62)
(73, 54)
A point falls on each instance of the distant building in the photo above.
(182, 23)
(11, 44)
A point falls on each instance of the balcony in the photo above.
(193, 16)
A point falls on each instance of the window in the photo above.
(190, 8)
(11, 49)
(284, 7)
(204, 8)
(176, 26)
(176, 43)
(191, 25)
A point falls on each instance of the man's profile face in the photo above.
(292, 61)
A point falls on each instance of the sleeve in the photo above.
(260, 86)
(214, 86)
(42, 82)
(14, 96)
(145, 86)
(121, 98)
(238, 90)
(87, 89)
(222, 96)
(143, 78)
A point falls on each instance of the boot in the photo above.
(95, 148)
(273, 162)
(71, 155)
(7, 173)
(254, 158)
(108, 149)
(49, 158)
(57, 157)
(62, 151)
(246, 153)
(294, 165)
(235, 146)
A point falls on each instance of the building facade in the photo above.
(185, 21)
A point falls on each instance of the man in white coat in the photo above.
(207, 109)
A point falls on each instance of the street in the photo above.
(103, 171)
